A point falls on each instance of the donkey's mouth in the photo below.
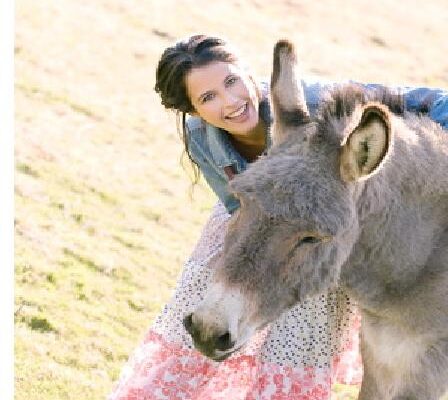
(223, 355)
(214, 353)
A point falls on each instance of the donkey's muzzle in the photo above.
(207, 339)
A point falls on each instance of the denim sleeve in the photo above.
(217, 182)
(435, 101)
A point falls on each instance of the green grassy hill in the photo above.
(103, 215)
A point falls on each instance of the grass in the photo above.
(103, 216)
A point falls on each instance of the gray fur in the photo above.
(383, 237)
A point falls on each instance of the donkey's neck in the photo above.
(402, 210)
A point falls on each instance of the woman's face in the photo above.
(225, 96)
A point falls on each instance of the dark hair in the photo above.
(174, 65)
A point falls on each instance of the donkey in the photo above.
(356, 195)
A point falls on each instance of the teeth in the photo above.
(238, 112)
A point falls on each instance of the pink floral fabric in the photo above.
(348, 363)
(162, 370)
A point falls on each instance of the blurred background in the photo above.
(103, 214)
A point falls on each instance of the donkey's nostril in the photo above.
(223, 342)
(188, 322)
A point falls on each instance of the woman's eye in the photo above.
(207, 97)
(309, 240)
(231, 80)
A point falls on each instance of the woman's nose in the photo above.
(230, 100)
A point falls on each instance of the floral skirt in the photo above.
(299, 356)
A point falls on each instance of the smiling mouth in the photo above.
(239, 113)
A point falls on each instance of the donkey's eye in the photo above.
(309, 240)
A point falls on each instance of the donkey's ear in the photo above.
(288, 100)
(366, 143)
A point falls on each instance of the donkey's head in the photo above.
(298, 219)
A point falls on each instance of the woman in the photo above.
(312, 345)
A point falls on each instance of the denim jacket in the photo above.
(211, 148)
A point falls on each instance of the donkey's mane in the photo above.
(341, 101)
